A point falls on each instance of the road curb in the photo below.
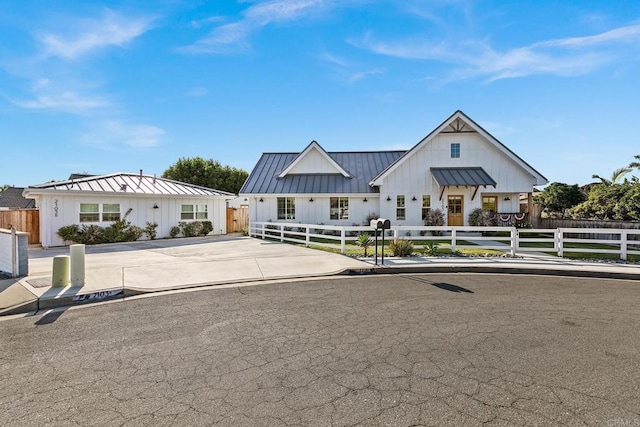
(497, 270)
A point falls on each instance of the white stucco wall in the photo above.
(58, 210)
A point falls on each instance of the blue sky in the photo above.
(104, 87)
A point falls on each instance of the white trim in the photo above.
(323, 153)
(378, 180)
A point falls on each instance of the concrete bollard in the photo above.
(60, 271)
(77, 264)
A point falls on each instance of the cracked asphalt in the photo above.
(400, 350)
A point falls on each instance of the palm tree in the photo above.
(365, 242)
(615, 176)
(635, 164)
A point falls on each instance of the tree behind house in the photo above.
(206, 173)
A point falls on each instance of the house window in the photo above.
(286, 208)
(194, 212)
(89, 212)
(111, 212)
(201, 212)
(339, 208)
(455, 150)
(400, 209)
(490, 203)
(426, 206)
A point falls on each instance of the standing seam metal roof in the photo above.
(129, 183)
(363, 166)
(462, 176)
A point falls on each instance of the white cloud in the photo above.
(47, 95)
(197, 91)
(234, 37)
(133, 135)
(357, 76)
(565, 57)
(89, 35)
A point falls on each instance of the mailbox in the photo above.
(381, 224)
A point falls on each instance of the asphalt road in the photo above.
(397, 350)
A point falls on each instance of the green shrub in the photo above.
(69, 233)
(207, 227)
(431, 249)
(175, 230)
(91, 234)
(150, 230)
(191, 229)
(401, 248)
(479, 218)
(371, 216)
(365, 242)
(245, 231)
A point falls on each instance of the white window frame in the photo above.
(426, 205)
(341, 208)
(94, 214)
(111, 213)
(196, 212)
(289, 208)
(455, 150)
(401, 207)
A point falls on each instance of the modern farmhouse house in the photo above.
(100, 200)
(458, 167)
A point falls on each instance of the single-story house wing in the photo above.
(102, 199)
(457, 168)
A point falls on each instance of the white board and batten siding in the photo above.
(315, 212)
(58, 210)
(413, 177)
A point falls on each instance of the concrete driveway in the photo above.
(175, 263)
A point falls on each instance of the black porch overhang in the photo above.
(462, 177)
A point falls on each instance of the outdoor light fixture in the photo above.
(261, 200)
(388, 198)
(365, 200)
(155, 206)
(311, 200)
(414, 198)
(506, 199)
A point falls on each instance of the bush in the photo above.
(191, 229)
(479, 218)
(371, 216)
(150, 230)
(69, 233)
(90, 234)
(207, 227)
(431, 249)
(245, 231)
(435, 218)
(401, 248)
(175, 230)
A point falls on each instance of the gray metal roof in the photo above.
(469, 176)
(362, 166)
(129, 183)
(12, 198)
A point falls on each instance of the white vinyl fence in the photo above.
(508, 239)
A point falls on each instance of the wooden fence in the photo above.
(508, 239)
(237, 219)
(27, 220)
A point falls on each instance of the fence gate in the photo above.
(237, 219)
(27, 220)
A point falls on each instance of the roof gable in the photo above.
(313, 160)
(264, 179)
(126, 183)
(460, 122)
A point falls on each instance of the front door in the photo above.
(455, 209)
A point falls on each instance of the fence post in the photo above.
(281, 232)
(623, 245)
(453, 240)
(263, 231)
(307, 239)
(514, 240)
(560, 244)
(14, 252)
(343, 245)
